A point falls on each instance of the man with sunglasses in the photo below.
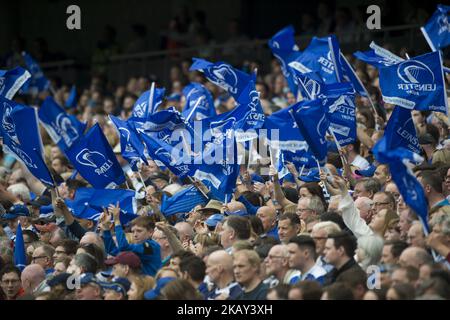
(43, 256)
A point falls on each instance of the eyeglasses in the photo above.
(12, 281)
(38, 257)
(60, 252)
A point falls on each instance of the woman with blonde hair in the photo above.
(139, 285)
(202, 241)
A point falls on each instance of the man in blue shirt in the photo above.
(268, 217)
(142, 229)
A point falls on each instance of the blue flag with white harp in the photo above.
(183, 201)
(131, 146)
(199, 102)
(285, 50)
(12, 80)
(64, 129)
(39, 81)
(223, 75)
(20, 257)
(142, 108)
(95, 161)
(401, 132)
(417, 83)
(310, 84)
(437, 29)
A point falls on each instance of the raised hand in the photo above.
(115, 212)
(105, 221)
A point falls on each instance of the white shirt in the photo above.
(352, 219)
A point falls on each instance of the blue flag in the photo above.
(131, 146)
(399, 166)
(285, 50)
(64, 129)
(378, 56)
(401, 132)
(141, 108)
(12, 80)
(340, 103)
(437, 29)
(309, 83)
(182, 202)
(38, 81)
(21, 137)
(88, 203)
(71, 101)
(199, 102)
(223, 75)
(417, 83)
(312, 121)
(20, 257)
(95, 161)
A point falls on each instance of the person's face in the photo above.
(296, 256)
(381, 201)
(213, 270)
(399, 276)
(59, 268)
(392, 188)
(11, 284)
(112, 295)
(55, 152)
(320, 238)
(161, 238)
(133, 292)
(360, 191)
(415, 237)
(424, 273)
(108, 106)
(59, 253)
(175, 263)
(365, 211)
(417, 117)
(447, 181)
(302, 208)
(332, 255)
(404, 224)
(370, 295)
(378, 220)
(286, 230)
(88, 292)
(275, 261)
(392, 295)
(386, 255)
(304, 193)
(272, 295)
(295, 294)
(128, 103)
(266, 219)
(58, 167)
(39, 257)
(226, 236)
(159, 183)
(244, 272)
(380, 174)
(73, 268)
(120, 270)
(140, 234)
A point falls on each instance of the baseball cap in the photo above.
(368, 172)
(59, 279)
(126, 257)
(160, 284)
(17, 210)
(87, 278)
(117, 284)
(213, 220)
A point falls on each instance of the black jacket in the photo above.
(333, 275)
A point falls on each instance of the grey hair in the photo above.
(329, 226)
(86, 261)
(444, 222)
(21, 191)
(373, 247)
(316, 204)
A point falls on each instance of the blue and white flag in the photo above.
(399, 161)
(340, 103)
(12, 80)
(131, 146)
(312, 121)
(20, 257)
(71, 101)
(142, 108)
(417, 83)
(88, 203)
(182, 202)
(95, 161)
(39, 81)
(378, 56)
(21, 137)
(64, 129)
(437, 29)
(285, 50)
(199, 102)
(401, 132)
(310, 84)
(223, 75)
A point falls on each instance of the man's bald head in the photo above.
(364, 205)
(268, 216)
(31, 277)
(185, 231)
(234, 206)
(415, 257)
(223, 258)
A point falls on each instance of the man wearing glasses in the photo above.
(10, 283)
(43, 256)
(277, 267)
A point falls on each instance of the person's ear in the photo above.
(127, 269)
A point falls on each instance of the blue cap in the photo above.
(174, 97)
(213, 220)
(107, 273)
(241, 213)
(117, 284)
(369, 172)
(59, 279)
(161, 283)
(87, 278)
(17, 210)
(311, 176)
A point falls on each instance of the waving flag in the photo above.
(312, 121)
(38, 81)
(399, 166)
(20, 257)
(401, 132)
(12, 80)
(223, 75)
(21, 137)
(199, 102)
(95, 161)
(182, 202)
(340, 103)
(71, 101)
(64, 129)
(437, 29)
(88, 203)
(417, 83)
(131, 146)
(309, 83)
(141, 108)
(285, 50)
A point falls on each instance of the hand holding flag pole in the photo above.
(150, 100)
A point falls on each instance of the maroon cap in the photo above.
(127, 257)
